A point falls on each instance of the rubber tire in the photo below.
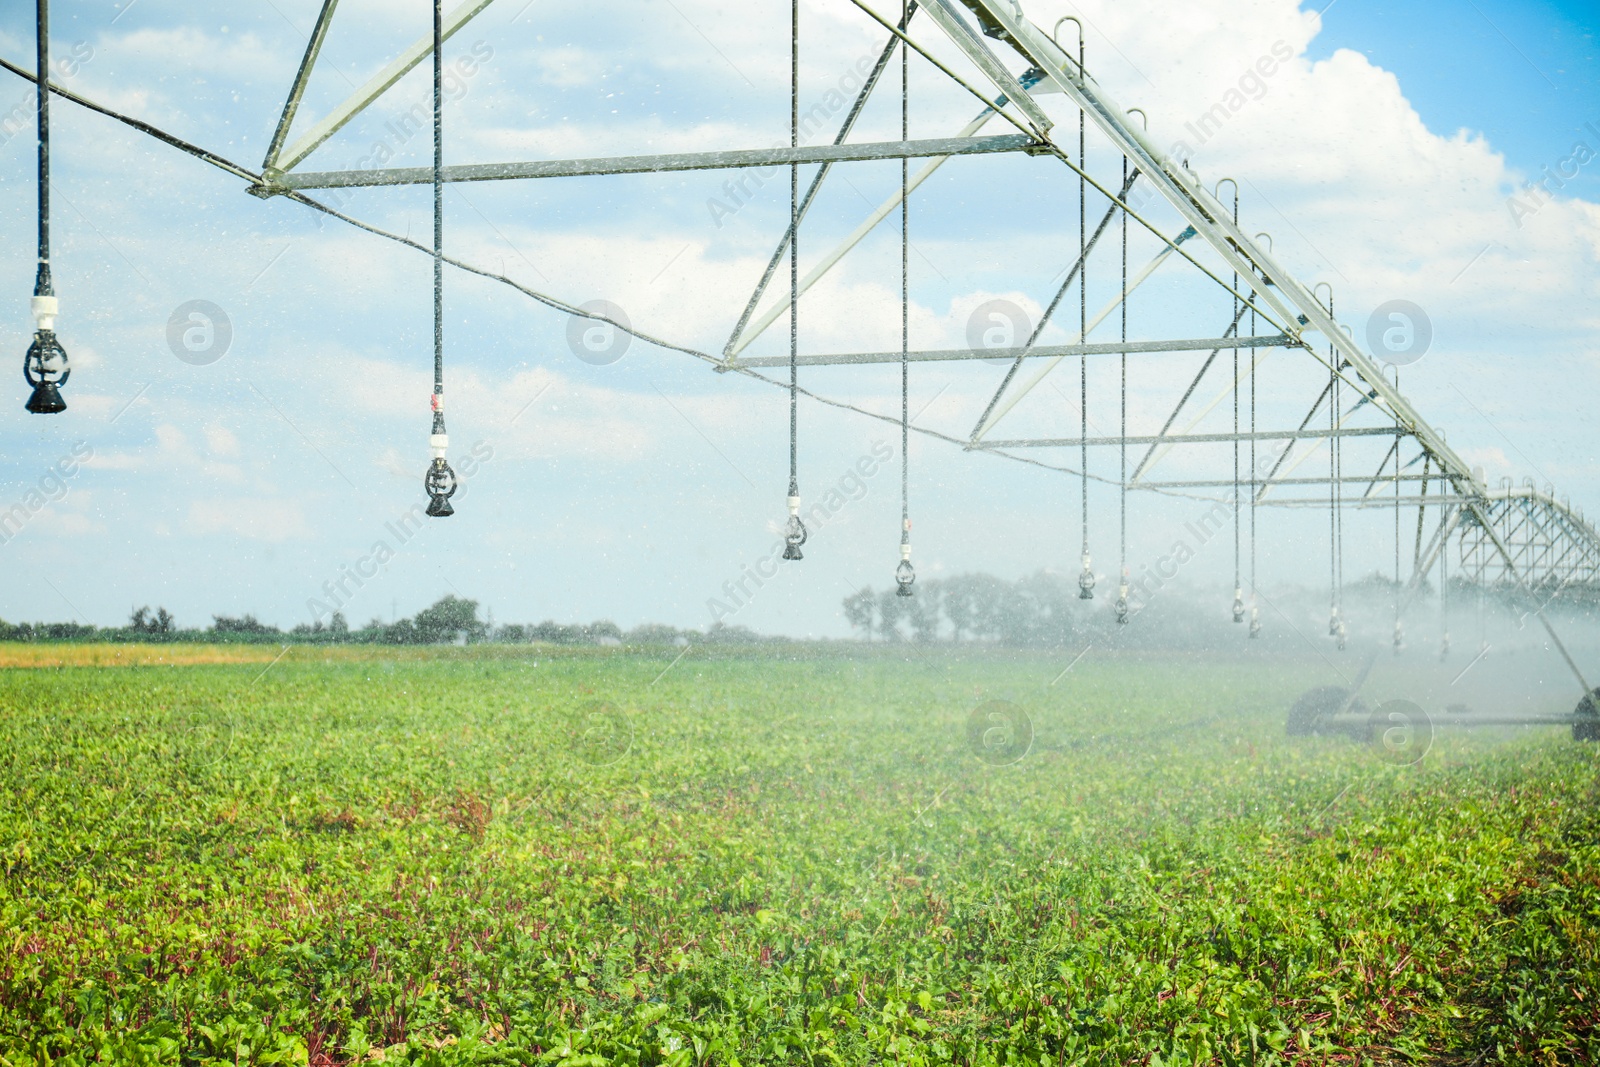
(1587, 728)
(1310, 714)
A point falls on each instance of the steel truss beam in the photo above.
(1551, 542)
(1349, 413)
(1085, 250)
(945, 354)
(1291, 301)
(804, 207)
(1287, 296)
(1233, 330)
(955, 27)
(1197, 439)
(1540, 537)
(302, 77)
(733, 159)
(1225, 483)
(363, 97)
(1355, 503)
(998, 410)
(746, 332)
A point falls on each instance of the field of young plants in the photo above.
(783, 855)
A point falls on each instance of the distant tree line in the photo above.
(450, 620)
(1042, 609)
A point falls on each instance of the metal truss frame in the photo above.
(1548, 540)
(940, 147)
(1532, 539)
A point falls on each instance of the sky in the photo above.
(253, 468)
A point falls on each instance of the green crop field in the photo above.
(773, 856)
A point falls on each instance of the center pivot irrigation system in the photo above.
(1522, 541)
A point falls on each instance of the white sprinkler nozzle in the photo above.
(45, 309)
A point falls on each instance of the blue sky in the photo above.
(639, 489)
(1522, 73)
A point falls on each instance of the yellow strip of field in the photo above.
(21, 654)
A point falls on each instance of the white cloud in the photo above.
(221, 441)
(1333, 160)
(1343, 172)
(270, 520)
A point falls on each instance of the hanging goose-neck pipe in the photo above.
(42, 283)
(795, 534)
(441, 480)
(905, 574)
(45, 367)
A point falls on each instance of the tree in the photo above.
(1017, 615)
(721, 633)
(970, 603)
(555, 633)
(891, 609)
(449, 618)
(63, 631)
(653, 633)
(401, 632)
(922, 609)
(861, 611)
(141, 621)
(1056, 608)
(603, 632)
(247, 624)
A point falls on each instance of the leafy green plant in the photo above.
(400, 856)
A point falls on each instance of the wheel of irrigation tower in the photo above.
(1586, 726)
(1329, 709)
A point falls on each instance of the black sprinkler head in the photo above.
(46, 400)
(46, 368)
(794, 535)
(440, 483)
(905, 576)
